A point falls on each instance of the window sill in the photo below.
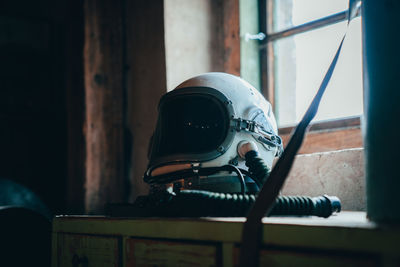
(328, 135)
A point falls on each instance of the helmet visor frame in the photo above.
(194, 125)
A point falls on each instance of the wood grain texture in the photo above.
(231, 36)
(142, 252)
(146, 81)
(347, 239)
(330, 140)
(84, 250)
(296, 257)
(104, 126)
(283, 258)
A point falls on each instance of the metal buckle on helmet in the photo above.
(243, 125)
(263, 136)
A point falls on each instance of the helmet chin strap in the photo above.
(195, 171)
(187, 171)
(258, 171)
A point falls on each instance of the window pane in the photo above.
(289, 13)
(300, 62)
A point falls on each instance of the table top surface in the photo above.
(344, 219)
(346, 230)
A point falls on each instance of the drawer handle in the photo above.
(79, 261)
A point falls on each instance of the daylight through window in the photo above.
(304, 36)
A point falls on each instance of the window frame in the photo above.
(268, 83)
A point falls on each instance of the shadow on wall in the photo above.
(32, 109)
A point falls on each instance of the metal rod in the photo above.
(307, 26)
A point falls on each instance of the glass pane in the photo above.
(289, 13)
(300, 63)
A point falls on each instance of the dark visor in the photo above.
(190, 124)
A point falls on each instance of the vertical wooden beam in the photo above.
(104, 126)
(146, 80)
(231, 36)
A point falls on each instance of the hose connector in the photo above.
(246, 146)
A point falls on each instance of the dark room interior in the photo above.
(131, 133)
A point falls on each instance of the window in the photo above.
(301, 39)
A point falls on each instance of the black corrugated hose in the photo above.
(199, 203)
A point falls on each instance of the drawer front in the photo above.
(291, 258)
(145, 252)
(83, 251)
(288, 258)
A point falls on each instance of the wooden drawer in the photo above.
(288, 258)
(148, 252)
(83, 251)
(295, 258)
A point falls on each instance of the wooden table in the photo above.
(347, 239)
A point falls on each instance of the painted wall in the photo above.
(193, 39)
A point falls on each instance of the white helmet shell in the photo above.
(248, 117)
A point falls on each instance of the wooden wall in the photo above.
(104, 94)
(145, 83)
(125, 76)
